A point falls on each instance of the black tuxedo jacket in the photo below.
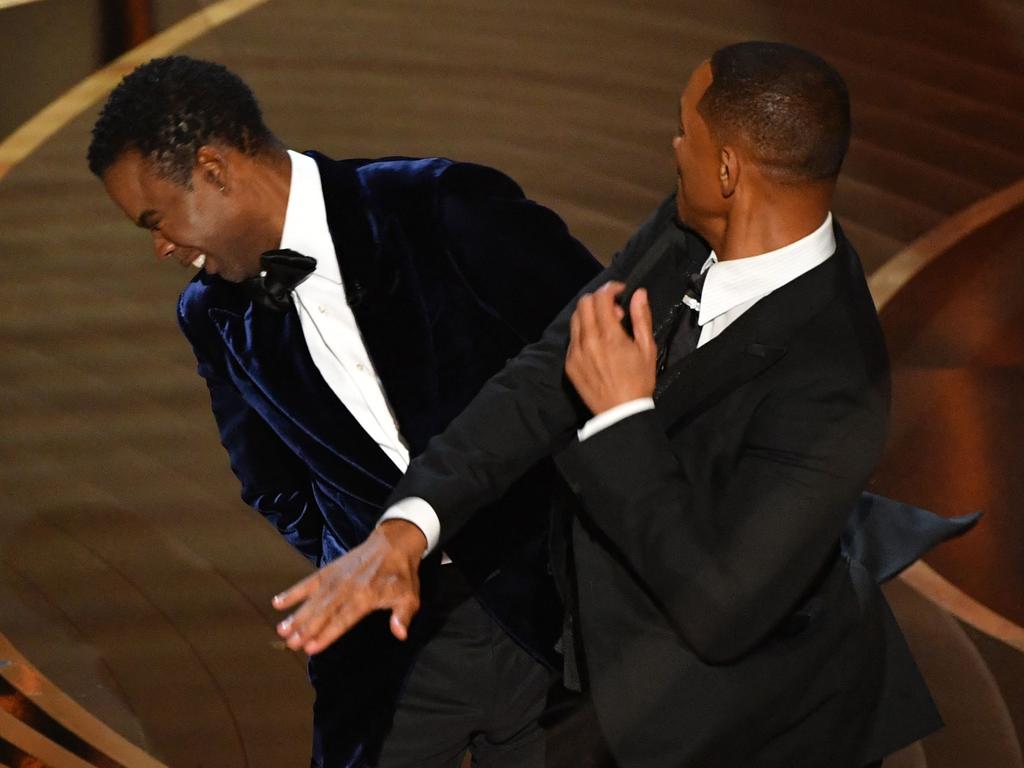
(721, 622)
(449, 271)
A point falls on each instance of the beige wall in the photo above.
(47, 46)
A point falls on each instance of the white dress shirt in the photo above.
(329, 327)
(730, 289)
(328, 324)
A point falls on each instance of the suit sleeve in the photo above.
(274, 481)
(727, 561)
(526, 411)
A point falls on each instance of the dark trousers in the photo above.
(472, 688)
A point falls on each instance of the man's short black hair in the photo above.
(170, 107)
(788, 106)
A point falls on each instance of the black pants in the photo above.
(472, 688)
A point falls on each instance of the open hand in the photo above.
(381, 573)
(606, 366)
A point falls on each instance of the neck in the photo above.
(267, 187)
(769, 221)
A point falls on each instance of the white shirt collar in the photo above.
(305, 219)
(732, 283)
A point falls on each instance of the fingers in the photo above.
(597, 315)
(643, 325)
(307, 622)
(327, 615)
(607, 312)
(402, 614)
(297, 593)
(586, 324)
(376, 575)
(328, 632)
(576, 324)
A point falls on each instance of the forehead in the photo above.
(133, 183)
(698, 83)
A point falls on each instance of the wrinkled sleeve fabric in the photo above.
(526, 411)
(726, 566)
(273, 480)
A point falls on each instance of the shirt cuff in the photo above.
(418, 512)
(614, 415)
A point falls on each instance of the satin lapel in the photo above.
(375, 262)
(752, 343)
(271, 349)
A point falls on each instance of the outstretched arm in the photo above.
(521, 415)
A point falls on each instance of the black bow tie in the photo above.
(280, 272)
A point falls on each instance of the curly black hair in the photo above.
(789, 106)
(168, 108)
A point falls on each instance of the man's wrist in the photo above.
(614, 415)
(419, 513)
(405, 536)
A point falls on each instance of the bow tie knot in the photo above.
(280, 271)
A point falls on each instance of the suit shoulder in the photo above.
(401, 174)
(473, 179)
(448, 177)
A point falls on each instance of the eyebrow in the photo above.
(145, 219)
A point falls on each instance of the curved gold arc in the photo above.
(924, 580)
(20, 673)
(885, 283)
(15, 148)
(888, 279)
(12, 3)
(44, 124)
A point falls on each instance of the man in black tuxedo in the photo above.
(714, 450)
(387, 292)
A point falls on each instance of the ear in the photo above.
(728, 170)
(211, 167)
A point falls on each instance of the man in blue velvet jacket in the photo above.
(343, 314)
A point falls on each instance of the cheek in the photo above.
(679, 153)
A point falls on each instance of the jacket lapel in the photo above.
(751, 344)
(271, 349)
(392, 318)
(712, 370)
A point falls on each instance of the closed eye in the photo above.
(148, 219)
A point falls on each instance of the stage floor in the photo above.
(133, 577)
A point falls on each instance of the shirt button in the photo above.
(323, 309)
(360, 367)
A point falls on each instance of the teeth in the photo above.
(199, 260)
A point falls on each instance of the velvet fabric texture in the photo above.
(449, 271)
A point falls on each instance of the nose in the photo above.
(163, 247)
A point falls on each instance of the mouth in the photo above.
(189, 257)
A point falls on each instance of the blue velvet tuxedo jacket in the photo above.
(449, 271)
